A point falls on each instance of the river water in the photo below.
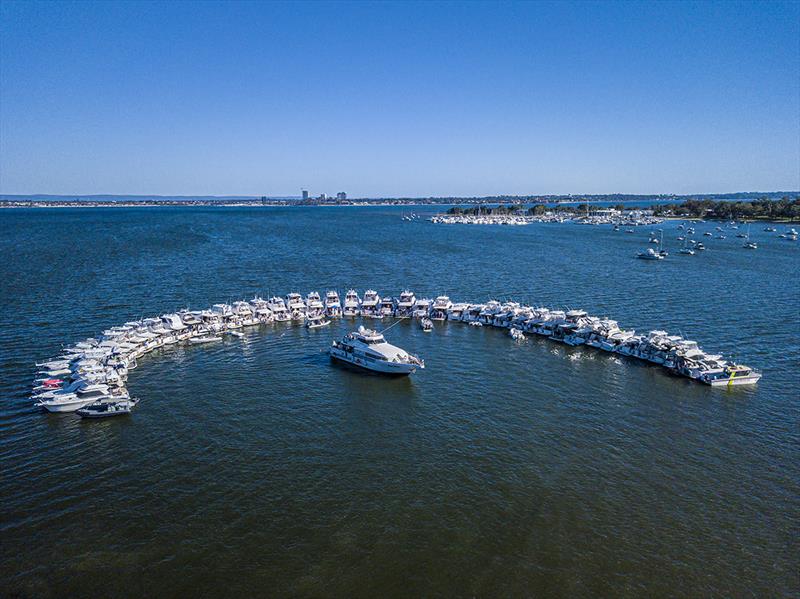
(257, 467)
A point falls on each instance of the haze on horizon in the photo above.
(395, 99)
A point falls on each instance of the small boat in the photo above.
(516, 334)
(475, 323)
(236, 333)
(204, 339)
(720, 237)
(426, 324)
(650, 254)
(105, 410)
(687, 251)
(750, 245)
(699, 247)
(708, 233)
(317, 322)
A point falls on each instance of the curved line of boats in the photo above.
(89, 377)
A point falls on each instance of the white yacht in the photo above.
(246, 313)
(352, 305)
(261, 309)
(473, 313)
(386, 307)
(457, 311)
(279, 311)
(440, 307)
(405, 304)
(370, 303)
(422, 308)
(368, 349)
(296, 306)
(650, 254)
(730, 375)
(489, 311)
(333, 308)
(84, 393)
(314, 305)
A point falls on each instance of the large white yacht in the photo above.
(333, 308)
(422, 307)
(261, 310)
(457, 311)
(730, 375)
(74, 397)
(368, 349)
(246, 313)
(279, 311)
(370, 303)
(352, 305)
(386, 307)
(314, 304)
(296, 306)
(405, 304)
(440, 307)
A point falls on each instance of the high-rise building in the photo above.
(305, 194)
(341, 196)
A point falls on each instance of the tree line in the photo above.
(784, 208)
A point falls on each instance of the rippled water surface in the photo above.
(257, 467)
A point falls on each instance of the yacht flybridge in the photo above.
(368, 349)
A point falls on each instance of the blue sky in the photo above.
(406, 99)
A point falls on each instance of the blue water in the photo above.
(258, 467)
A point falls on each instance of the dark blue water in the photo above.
(502, 469)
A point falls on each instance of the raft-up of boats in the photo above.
(93, 372)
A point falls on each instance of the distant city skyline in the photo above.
(398, 100)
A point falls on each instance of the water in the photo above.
(257, 467)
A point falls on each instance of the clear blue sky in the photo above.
(399, 99)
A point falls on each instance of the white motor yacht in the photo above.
(370, 303)
(650, 254)
(296, 306)
(457, 311)
(405, 304)
(246, 314)
(352, 305)
(333, 308)
(84, 394)
(730, 375)
(279, 311)
(368, 349)
(386, 307)
(261, 310)
(441, 305)
(422, 308)
(314, 305)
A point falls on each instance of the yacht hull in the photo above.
(385, 368)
